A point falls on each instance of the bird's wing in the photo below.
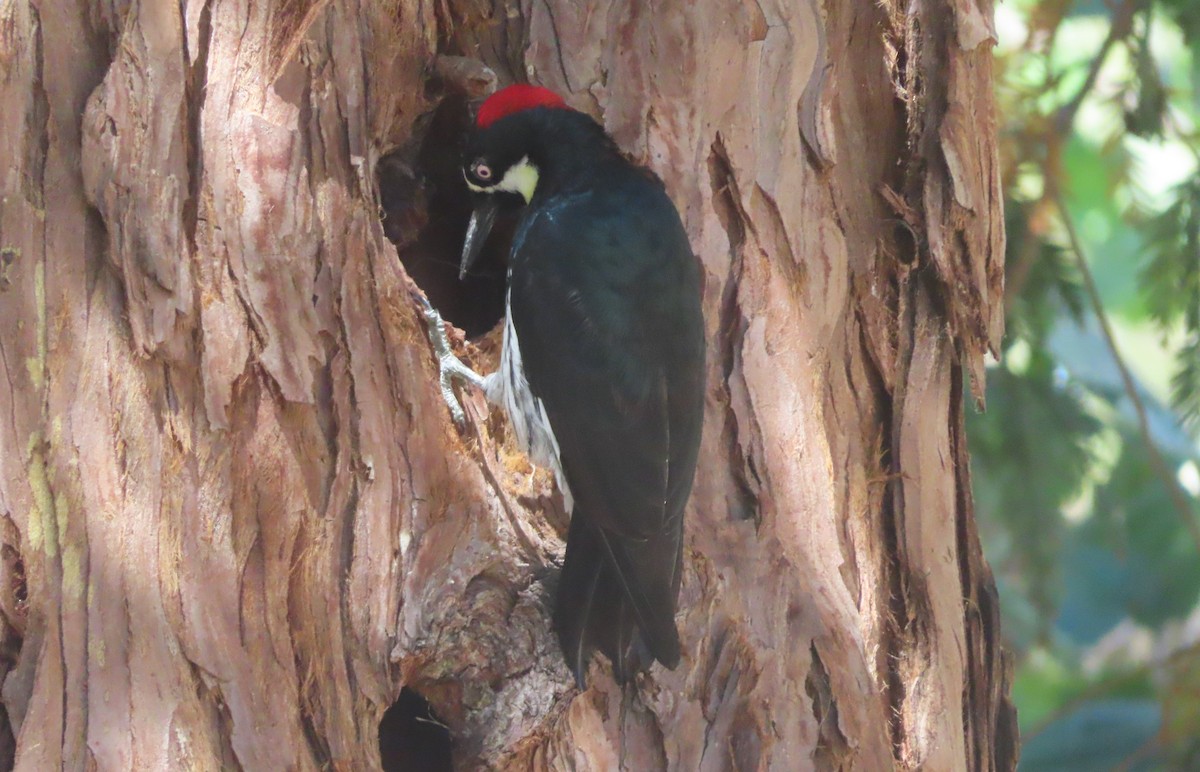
(610, 419)
(597, 337)
(605, 305)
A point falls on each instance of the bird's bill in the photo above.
(478, 229)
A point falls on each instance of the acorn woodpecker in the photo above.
(602, 366)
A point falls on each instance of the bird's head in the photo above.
(497, 164)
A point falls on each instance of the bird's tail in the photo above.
(618, 595)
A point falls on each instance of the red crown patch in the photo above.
(514, 99)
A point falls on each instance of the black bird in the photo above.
(602, 366)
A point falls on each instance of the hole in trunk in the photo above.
(411, 736)
(426, 206)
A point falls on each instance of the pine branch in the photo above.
(1158, 464)
(1122, 25)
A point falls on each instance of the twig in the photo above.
(1182, 507)
(1122, 24)
(1057, 130)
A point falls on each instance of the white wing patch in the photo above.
(508, 388)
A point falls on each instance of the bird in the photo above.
(601, 367)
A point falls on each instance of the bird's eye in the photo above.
(482, 170)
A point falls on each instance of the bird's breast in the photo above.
(508, 387)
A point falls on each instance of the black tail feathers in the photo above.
(617, 595)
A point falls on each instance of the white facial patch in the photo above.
(521, 177)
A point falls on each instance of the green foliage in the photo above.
(1030, 456)
(1145, 95)
(1098, 735)
(1049, 686)
(1170, 283)
(1074, 469)
(1186, 15)
(1186, 383)
(1052, 284)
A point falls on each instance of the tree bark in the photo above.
(237, 518)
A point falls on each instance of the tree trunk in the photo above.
(237, 518)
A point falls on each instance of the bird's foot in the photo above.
(449, 365)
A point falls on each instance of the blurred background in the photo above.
(1087, 462)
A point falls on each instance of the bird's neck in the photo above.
(571, 153)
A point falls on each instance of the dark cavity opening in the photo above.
(412, 737)
(426, 206)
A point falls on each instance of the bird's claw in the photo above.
(449, 366)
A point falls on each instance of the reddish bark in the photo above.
(236, 516)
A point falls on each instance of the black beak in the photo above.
(486, 206)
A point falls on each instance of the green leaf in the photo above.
(1170, 285)
(1146, 95)
(1170, 279)
(1185, 384)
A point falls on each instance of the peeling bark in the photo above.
(236, 518)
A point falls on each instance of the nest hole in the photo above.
(412, 737)
(426, 206)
